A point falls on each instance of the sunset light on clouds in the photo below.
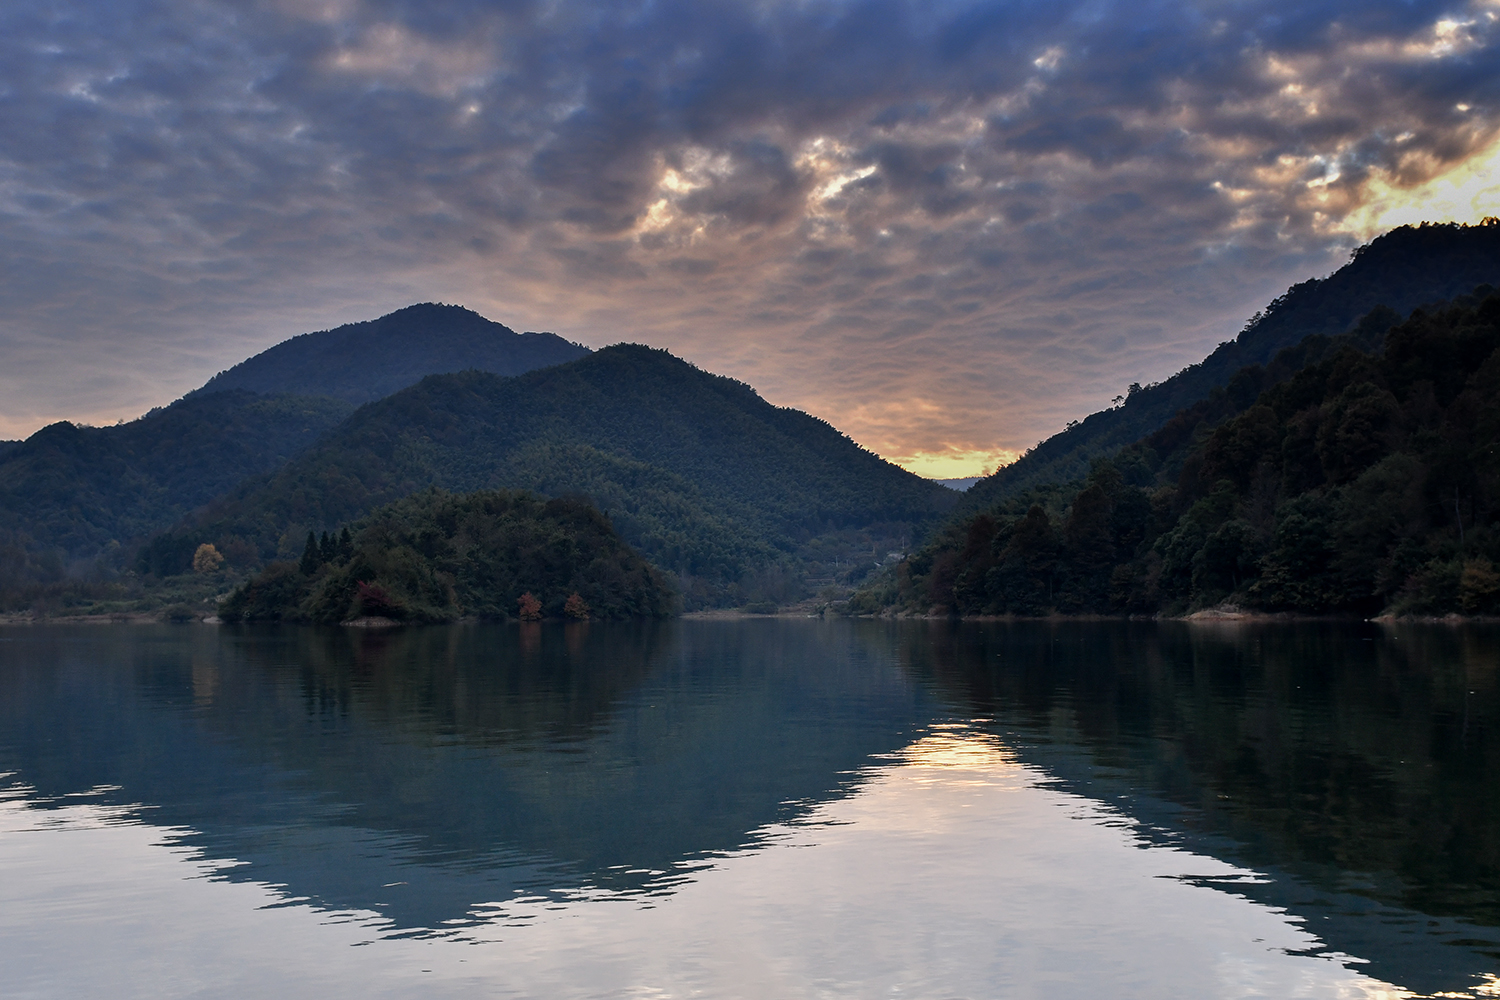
(946, 229)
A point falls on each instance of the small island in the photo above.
(438, 556)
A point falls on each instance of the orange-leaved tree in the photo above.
(207, 559)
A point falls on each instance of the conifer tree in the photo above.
(310, 561)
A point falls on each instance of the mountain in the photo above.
(360, 362)
(739, 498)
(78, 493)
(69, 494)
(1408, 267)
(1338, 480)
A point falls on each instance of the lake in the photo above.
(761, 808)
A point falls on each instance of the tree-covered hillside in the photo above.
(71, 493)
(1335, 480)
(436, 557)
(360, 362)
(739, 498)
(1406, 268)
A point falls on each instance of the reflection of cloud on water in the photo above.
(951, 870)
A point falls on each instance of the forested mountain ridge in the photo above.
(1336, 481)
(699, 473)
(70, 492)
(1408, 267)
(361, 362)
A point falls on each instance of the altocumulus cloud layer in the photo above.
(947, 227)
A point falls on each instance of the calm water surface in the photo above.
(751, 809)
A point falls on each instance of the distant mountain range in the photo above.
(361, 362)
(740, 499)
(70, 495)
(77, 494)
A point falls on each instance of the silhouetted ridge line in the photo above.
(360, 362)
(1406, 268)
(1355, 475)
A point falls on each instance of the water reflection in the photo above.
(338, 761)
(837, 807)
(955, 870)
(1356, 764)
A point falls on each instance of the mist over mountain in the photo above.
(737, 497)
(1408, 267)
(360, 362)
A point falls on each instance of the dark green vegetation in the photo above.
(361, 362)
(749, 504)
(76, 502)
(740, 499)
(72, 498)
(1333, 480)
(437, 556)
(1406, 268)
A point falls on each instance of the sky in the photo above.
(946, 227)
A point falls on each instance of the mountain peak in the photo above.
(361, 362)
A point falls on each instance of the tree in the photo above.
(531, 608)
(576, 608)
(310, 556)
(207, 559)
(375, 601)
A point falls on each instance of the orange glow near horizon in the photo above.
(955, 463)
(1467, 193)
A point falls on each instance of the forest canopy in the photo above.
(437, 556)
(741, 500)
(1356, 474)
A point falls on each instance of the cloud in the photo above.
(947, 228)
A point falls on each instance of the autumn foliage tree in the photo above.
(207, 559)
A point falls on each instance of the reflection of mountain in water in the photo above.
(1358, 769)
(466, 763)
(420, 772)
